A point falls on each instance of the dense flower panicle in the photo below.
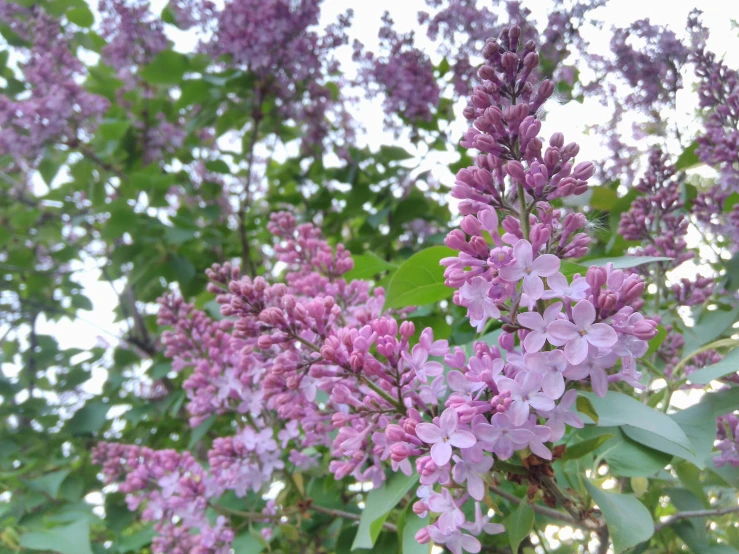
(173, 491)
(719, 97)
(402, 72)
(658, 218)
(56, 107)
(313, 362)
(134, 36)
(728, 440)
(712, 210)
(294, 61)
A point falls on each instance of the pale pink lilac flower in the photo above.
(560, 288)
(500, 436)
(534, 321)
(525, 394)
(444, 436)
(529, 269)
(576, 336)
(480, 307)
(562, 414)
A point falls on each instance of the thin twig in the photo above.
(348, 515)
(697, 513)
(543, 510)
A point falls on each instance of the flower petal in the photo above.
(533, 286)
(523, 253)
(545, 265)
(448, 421)
(553, 385)
(441, 453)
(432, 369)
(428, 433)
(599, 382)
(534, 341)
(532, 320)
(562, 330)
(576, 350)
(602, 335)
(462, 439)
(583, 314)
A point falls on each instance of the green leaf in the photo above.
(578, 450)
(520, 525)
(167, 68)
(652, 440)
(412, 526)
(618, 409)
(657, 341)
(419, 280)
(729, 364)
(568, 269)
(49, 483)
(689, 157)
(67, 539)
(200, 431)
(393, 153)
(625, 262)
(628, 520)
(113, 130)
(699, 424)
(183, 268)
(245, 543)
(367, 266)
(377, 507)
(628, 458)
(81, 16)
(710, 326)
(136, 541)
(88, 419)
(584, 406)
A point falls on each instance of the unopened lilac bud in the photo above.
(633, 290)
(583, 171)
(487, 73)
(259, 284)
(407, 329)
(509, 62)
(399, 452)
(471, 225)
(546, 88)
(264, 342)
(608, 301)
(423, 536)
(531, 61)
(516, 171)
(419, 507)
(557, 140)
(514, 33)
(490, 50)
(507, 341)
(338, 419)
(395, 433)
(409, 426)
(645, 329)
(469, 112)
(596, 277)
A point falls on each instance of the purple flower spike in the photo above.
(576, 336)
(444, 436)
(529, 269)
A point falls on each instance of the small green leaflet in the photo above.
(520, 524)
(378, 505)
(628, 520)
(420, 279)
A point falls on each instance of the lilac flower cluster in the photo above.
(658, 218)
(313, 363)
(174, 491)
(55, 108)
(293, 61)
(711, 209)
(134, 37)
(728, 437)
(403, 73)
(719, 98)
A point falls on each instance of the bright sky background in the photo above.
(569, 119)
